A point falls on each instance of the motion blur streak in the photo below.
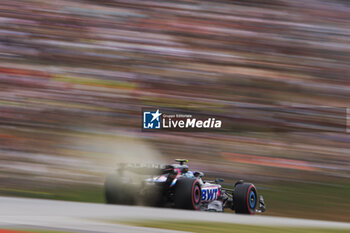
(74, 76)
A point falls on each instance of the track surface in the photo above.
(86, 217)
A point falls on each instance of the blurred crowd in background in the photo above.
(74, 76)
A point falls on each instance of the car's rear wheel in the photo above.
(118, 193)
(245, 198)
(188, 194)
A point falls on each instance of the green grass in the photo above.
(314, 201)
(210, 227)
(81, 194)
(78, 193)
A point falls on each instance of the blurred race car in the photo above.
(176, 186)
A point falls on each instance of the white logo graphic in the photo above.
(151, 120)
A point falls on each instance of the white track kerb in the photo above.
(75, 216)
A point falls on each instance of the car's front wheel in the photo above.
(245, 198)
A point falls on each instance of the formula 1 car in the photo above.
(175, 186)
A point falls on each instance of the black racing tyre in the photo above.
(245, 198)
(118, 193)
(188, 194)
